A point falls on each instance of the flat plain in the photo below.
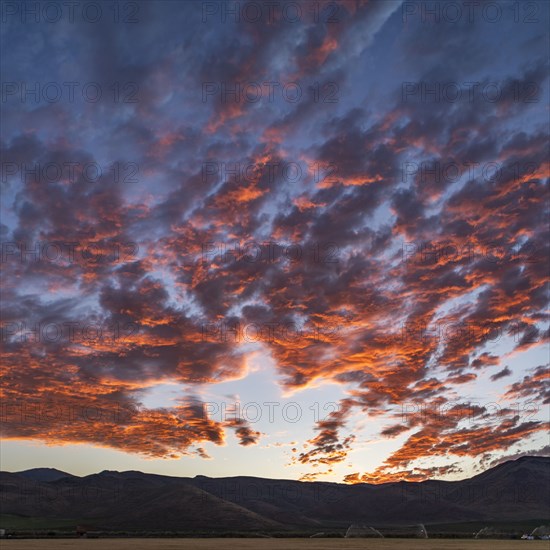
(273, 544)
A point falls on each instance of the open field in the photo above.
(273, 544)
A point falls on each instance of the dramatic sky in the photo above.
(302, 241)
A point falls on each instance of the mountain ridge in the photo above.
(133, 500)
(521, 459)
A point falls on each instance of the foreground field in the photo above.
(273, 544)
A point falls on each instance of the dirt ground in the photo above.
(272, 544)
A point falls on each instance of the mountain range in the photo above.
(512, 491)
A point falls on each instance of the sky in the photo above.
(302, 240)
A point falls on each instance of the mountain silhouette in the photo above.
(110, 500)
